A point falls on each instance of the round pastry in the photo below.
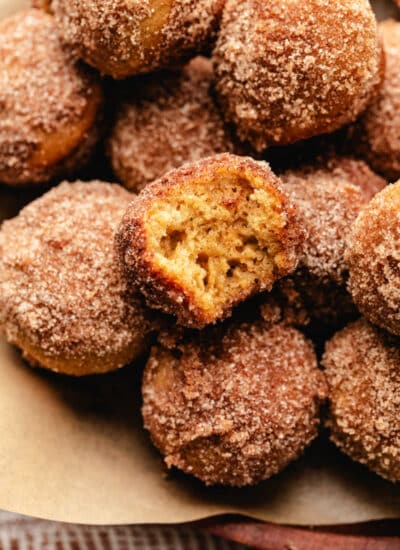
(373, 255)
(354, 171)
(122, 38)
(49, 104)
(376, 137)
(362, 369)
(328, 198)
(287, 71)
(209, 235)
(63, 298)
(233, 405)
(166, 121)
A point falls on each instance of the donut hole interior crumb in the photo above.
(218, 239)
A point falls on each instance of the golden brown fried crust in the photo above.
(166, 120)
(362, 369)
(234, 404)
(376, 136)
(328, 198)
(373, 254)
(171, 295)
(122, 38)
(63, 298)
(289, 70)
(49, 121)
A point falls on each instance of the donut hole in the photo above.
(221, 239)
(203, 410)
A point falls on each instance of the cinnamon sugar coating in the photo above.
(376, 136)
(63, 298)
(234, 404)
(362, 369)
(126, 37)
(373, 255)
(328, 198)
(354, 171)
(207, 236)
(164, 121)
(289, 70)
(50, 103)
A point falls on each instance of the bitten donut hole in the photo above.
(221, 239)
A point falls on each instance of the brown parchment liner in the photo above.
(74, 450)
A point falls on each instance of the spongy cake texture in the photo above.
(209, 235)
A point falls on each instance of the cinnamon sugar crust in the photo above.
(207, 236)
(376, 137)
(49, 121)
(126, 37)
(63, 299)
(362, 369)
(329, 198)
(164, 121)
(289, 70)
(373, 256)
(356, 172)
(234, 404)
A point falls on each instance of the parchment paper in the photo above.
(74, 450)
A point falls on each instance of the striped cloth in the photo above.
(23, 533)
